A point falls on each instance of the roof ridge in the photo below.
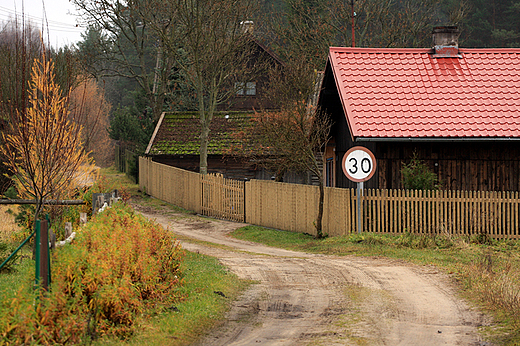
(418, 50)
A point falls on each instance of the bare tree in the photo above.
(292, 138)
(120, 43)
(206, 41)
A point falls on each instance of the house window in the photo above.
(329, 172)
(248, 89)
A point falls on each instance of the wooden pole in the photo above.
(353, 30)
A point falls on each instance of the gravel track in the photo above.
(304, 299)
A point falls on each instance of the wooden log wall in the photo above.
(467, 166)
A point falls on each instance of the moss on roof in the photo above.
(179, 133)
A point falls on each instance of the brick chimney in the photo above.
(446, 42)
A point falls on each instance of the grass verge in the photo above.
(488, 274)
(204, 279)
(209, 288)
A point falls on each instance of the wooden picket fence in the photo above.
(294, 207)
(223, 198)
(495, 214)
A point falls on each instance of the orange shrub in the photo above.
(118, 265)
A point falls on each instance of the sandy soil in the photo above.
(304, 299)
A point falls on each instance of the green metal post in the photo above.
(37, 254)
(48, 248)
(17, 249)
(44, 255)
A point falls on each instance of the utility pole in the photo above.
(353, 14)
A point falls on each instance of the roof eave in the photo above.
(344, 104)
(437, 139)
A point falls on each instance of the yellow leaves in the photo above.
(43, 145)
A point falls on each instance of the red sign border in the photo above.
(366, 150)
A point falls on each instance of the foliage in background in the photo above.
(131, 128)
(119, 266)
(491, 24)
(418, 176)
(89, 101)
(119, 43)
(303, 28)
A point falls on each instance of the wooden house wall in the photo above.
(471, 166)
(230, 168)
(249, 102)
(262, 62)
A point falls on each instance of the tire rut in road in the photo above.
(307, 298)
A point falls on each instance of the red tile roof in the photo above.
(407, 93)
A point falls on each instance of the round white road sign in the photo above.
(359, 164)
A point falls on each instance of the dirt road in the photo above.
(308, 299)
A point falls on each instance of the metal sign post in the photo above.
(359, 165)
(359, 205)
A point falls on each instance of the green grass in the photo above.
(487, 274)
(192, 318)
(418, 249)
(23, 271)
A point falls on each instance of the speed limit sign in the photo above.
(359, 164)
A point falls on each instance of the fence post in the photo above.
(37, 254)
(43, 249)
(42, 266)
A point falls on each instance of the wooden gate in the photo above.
(223, 198)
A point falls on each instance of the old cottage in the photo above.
(457, 109)
(176, 139)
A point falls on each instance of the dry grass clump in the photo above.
(496, 279)
(8, 226)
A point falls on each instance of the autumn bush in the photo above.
(119, 266)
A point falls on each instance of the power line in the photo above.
(52, 24)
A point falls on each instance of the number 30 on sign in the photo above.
(359, 164)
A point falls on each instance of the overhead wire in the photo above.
(7, 14)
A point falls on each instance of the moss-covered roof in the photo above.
(179, 133)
